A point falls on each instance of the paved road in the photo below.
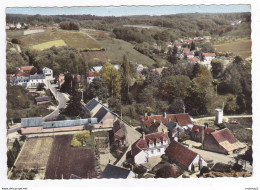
(60, 98)
(15, 129)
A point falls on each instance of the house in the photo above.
(222, 141)
(98, 68)
(18, 26)
(96, 109)
(186, 50)
(179, 46)
(189, 55)
(197, 131)
(184, 157)
(119, 135)
(35, 80)
(150, 145)
(116, 172)
(48, 73)
(42, 100)
(38, 125)
(91, 76)
(194, 60)
(175, 129)
(151, 123)
(208, 56)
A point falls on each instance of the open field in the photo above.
(49, 44)
(95, 57)
(241, 47)
(99, 34)
(116, 49)
(35, 153)
(66, 160)
(77, 40)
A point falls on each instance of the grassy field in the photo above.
(74, 39)
(116, 49)
(95, 57)
(66, 160)
(49, 44)
(98, 34)
(241, 47)
(35, 153)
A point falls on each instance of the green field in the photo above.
(241, 47)
(49, 44)
(74, 39)
(116, 49)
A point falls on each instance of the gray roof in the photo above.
(92, 104)
(101, 114)
(32, 122)
(116, 172)
(42, 99)
(69, 123)
(171, 125)
(37, 76)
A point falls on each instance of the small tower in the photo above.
(218, 116)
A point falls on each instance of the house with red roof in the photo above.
(189, 54)
(194, 60)
(197, 131)
(157, 123)
(222, 141)
(91, 76)
(184, 157)
(149, 145)
(208, 56)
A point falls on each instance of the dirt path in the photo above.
(228, 117)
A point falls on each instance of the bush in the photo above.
(237, 167)
(140, 169)
(204, 169)
(184, 137)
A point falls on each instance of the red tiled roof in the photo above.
(181, 154)
(209, 54)
(224, 135)
(188, 41)
(92, 74)
(20, 73)
(195, 59)
(189, 53)
(26, 68)
(153, 121)
(186, 50)
(198, 129)
(142, 144)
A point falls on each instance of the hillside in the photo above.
(116, 49)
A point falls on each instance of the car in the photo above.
(234, 122)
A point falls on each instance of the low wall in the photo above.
(34, 130)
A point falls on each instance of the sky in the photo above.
(131, 10)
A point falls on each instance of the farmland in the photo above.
(95, 57)
(49, 44)
(116, 49)
(66, 160)
(241, 47)
(35, 153)
(77, 40)
(98, 34)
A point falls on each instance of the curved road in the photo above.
(62, 104)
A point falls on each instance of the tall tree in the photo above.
(172, 55)
(112, 77)
(192, 46)
(128, 72)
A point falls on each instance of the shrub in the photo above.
(204, 169)
(237, 167)
(184, 137)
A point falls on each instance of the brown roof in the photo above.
(194, 59)
(224, 135)
(142, 143)
(154, 121)
(118, 129)
(92, 74)
(26, 68)
(198, 129)
(181, 154)
(21, 73)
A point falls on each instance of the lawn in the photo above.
(49, 44)
(35, 153)
(66, 160)
(78, 40)
(241, 47)
(116, 49)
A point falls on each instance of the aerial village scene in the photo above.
(152, 93)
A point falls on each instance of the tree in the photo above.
(192, 46)
(231, 106)
(207, 47)
(98, 88)
(167, 171)
(127, 74)
(112, 77)
(237, 60)
(177, 106)
(33, 71)
(40, 87)
(69, 25)
(80, 138)
(172, 55)
(174, 87)
(216, 68)
(74, 107)
(69, 84)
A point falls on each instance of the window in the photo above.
(151, 151)
(158, 150)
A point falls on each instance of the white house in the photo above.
(184, 157)
(208, 56)
(48, 73)
(91, 76)
(150, 145)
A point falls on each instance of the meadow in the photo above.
(240, 47)
(78, 40)
(49, 44)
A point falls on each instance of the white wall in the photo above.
(140, 158)
(131, 175)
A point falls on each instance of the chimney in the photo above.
(143, 135)
(164, 115)
(145, 114)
